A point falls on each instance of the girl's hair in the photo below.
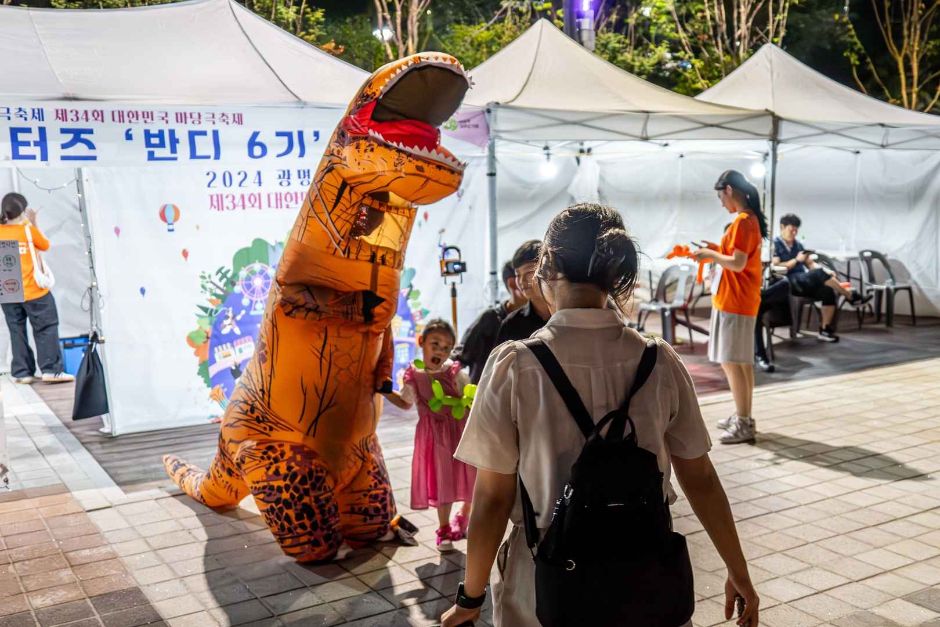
(748, 193)
(12, 206)
(438, 325)
(588, 243)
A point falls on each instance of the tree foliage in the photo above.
(909, 36)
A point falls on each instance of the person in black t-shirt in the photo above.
(808, 279)
(522, 323)
(480, 338)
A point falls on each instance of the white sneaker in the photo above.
(724, 423)
(342, 552)
(23, 380)
(742, 430)
(59, 377)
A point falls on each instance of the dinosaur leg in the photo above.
(366, 504)
(221, 486)
(294, 492)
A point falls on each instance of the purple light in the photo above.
(585, 5)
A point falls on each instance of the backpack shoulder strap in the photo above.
(643, 372)
(561, 382)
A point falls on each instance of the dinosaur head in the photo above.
(387, 147)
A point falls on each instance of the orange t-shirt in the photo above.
(739, 292)
(31, 290)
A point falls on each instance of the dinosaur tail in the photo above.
(221, 486)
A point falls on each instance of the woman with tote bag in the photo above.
(19, 223)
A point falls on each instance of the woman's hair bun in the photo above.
(587, 243)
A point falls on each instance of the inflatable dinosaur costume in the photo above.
(299, 431)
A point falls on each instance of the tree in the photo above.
(353, 41)
(294, 16)
(474, 43)
(716, 36)
(909, 31)
(399, 25)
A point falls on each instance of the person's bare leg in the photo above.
(443, 515)
(740, 386)
(465, 509)
(835, 285)
(748, 371)
(828, 313)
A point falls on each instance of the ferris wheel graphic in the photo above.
(254, 283)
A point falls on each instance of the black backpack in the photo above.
(610, 556)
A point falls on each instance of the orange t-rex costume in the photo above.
(299, 431)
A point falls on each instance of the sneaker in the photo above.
(458, 526)
(740, 431)
(724, 423)
(23, 380)
(444, 544)
(342, 552)
(59, 377)
(826, 334)
(857, 299)
(765, 364)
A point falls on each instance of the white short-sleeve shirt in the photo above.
(519, 423)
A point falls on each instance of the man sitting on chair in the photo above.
(808, 279)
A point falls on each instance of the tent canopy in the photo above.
(202, 52)
(818, 110)
(548, 87)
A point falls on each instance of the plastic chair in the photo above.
(886, 290)
(671, 296)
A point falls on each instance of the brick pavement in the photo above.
(838, 505)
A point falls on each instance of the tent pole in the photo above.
(93, 296)
(774, 143)
(492, 283)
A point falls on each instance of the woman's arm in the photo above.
(493, 498)
(702, 487)
(735, 262)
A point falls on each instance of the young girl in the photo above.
(437, 479)
(737, 299)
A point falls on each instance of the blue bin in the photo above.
(73, 349)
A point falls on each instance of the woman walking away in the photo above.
(586, 393)
(736, 300)
(17, 222)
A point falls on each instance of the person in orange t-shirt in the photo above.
(737, 298)
(39, 306)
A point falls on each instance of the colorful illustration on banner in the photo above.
(143, 291)
(228, 322)
(117, 231)
(406, 326)
(185, 254)
(170, 215)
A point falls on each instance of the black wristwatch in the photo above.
(469, 603)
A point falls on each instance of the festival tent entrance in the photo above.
(862, 173)
(181, 140)
(549, 102)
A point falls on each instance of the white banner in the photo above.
(86, 134)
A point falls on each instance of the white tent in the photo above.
(211, 52)
(181, 139)
(544, 86)
(545, 89)
(814, 109)
(861, 172)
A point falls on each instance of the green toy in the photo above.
(458, 406)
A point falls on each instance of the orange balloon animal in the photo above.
(680, 250)
(299, 431)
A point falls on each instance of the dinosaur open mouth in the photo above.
(413, 104)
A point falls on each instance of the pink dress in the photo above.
(436, 477)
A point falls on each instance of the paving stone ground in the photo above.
(838, 508)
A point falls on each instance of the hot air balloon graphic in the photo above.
(170, 214)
